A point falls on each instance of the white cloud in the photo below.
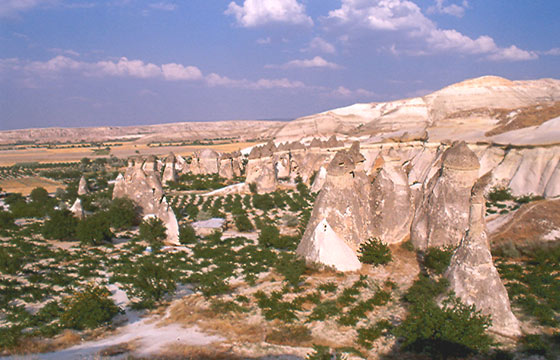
(179, 72)
(264, 41)
(405, 16)
(316, 62)
(136, 69)
(165, 6)
(342, 91)
(512, 53)
(320, 44)
(12, 7)
(553, 51)
(260, 12)
(452, 9)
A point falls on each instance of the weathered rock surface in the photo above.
(142, 184)
(442, 216)
(82, 186)
(77, 209)
(327, 248)
(391, 201)
(472, 275)
(343, 205)
(169, 172)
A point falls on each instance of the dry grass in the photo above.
(529, 224)
(37, 345)
(236, 327)
(24, 185)
(180, 351)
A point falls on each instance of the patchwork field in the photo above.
(10, 155)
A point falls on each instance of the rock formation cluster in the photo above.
(141, 183)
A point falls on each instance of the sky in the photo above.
(76, 63)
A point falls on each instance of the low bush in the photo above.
(290, 335)
(187, 235)
(374, 252)
(242, 223)
(437, 259)
(88, 309)
(367, 335)
(500, 194)
(123, 213)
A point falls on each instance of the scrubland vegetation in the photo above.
(58, 272)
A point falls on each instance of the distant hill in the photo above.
(472, 110)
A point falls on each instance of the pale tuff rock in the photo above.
(553, 187)
(181, 165)
(142, 184)
(77, 209)
(343, 204)
(208, 161)
(391, 202)
(327, 248)
(169, 172)
(333, 142)
(230, 165)
(534, 171)
(83, 187)
(283, 165)
(472, 275)
(319, 181)
(442, 217)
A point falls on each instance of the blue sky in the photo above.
(130, 62)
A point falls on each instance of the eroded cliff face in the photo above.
(142, 184)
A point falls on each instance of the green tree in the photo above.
(61, 225)
(39, 195)
(95, 229)
(153, 231)
(152, 282)
(123, 213)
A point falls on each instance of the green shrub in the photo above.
(455, 329)
(187, 235)
(61, 225)
(425, 289)
(291, 268)
(153, 231)
(374, 252)
(94, 230)
(437, 259)
(242, 223)
(500, 194)
(269, 235)
(6, 220)
(88, 309)
(263, 202)
(151, 281)
(367, 335)
(11, 260)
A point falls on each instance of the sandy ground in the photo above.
(42, 155)
(25, 185)
(148, 336)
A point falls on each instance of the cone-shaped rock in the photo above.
(77, 209)
(343, 205)
(472, 275)
(327, 248)
(82, 186)
(443, 215)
